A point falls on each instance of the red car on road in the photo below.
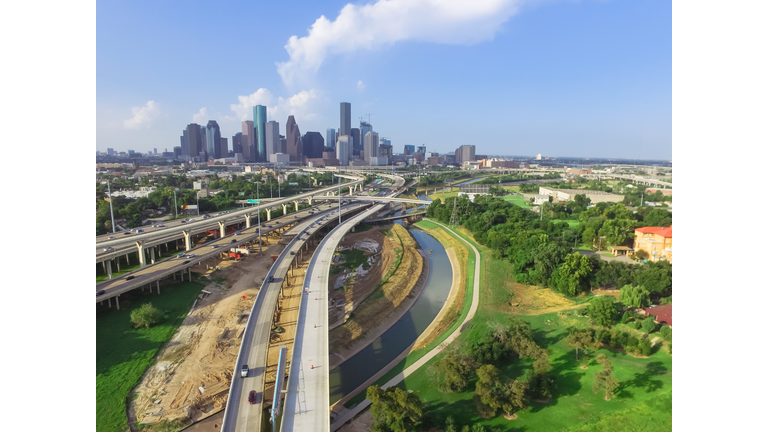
(252, 397)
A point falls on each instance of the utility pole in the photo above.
(112, 215)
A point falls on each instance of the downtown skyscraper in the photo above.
(345, 120)
(260, 141)
(272, 135)
(213, 139)
(248, 141)
(293, 140)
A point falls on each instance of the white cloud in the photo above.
(386, 22)
(360, 85)
(301, 105)
(142, 116)
(201, 116)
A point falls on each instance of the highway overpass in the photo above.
(307, 406)
(175, 266)
(126, 241)
(240, 415)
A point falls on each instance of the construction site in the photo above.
(191, 378)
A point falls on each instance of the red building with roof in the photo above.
(655, 241)
(661, 314)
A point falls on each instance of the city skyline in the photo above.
(586, 79)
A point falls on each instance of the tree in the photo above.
(588, 236)
(146, 316)
(487, 391)
(656, 277)
(580, 339)
(604, 379)
(645, 347)
(514, 397)
(649, 325)
(582, 200)
(617, 231)
(626, 317)
(641, 254)
(602, 311)
(452, 373)
(666, 332)
(635, 296)
(573, 275)
(393, 409)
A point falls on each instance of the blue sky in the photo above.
(589, 78)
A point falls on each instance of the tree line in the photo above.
(541, 250)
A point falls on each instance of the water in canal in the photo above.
(363, 365)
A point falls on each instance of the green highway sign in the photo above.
(252, 201)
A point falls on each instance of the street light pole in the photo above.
(198, 203)
(258, 216)
(111, 214)
(175, 206)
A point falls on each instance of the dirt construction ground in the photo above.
(191, 378)
(361, 286)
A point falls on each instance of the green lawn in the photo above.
(642, 402)
(518, 200)
(645, 387)
(123, 353)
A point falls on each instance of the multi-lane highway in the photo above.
(307, 405)
(184, 230)
(240, 413)
(178, 265)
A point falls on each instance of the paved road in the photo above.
(350, 414)
(307, 404)
(169, 266)
(241, 415)
(121, 239)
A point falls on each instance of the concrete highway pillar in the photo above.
(152, 254)
(284, 209)
(150, 288)
(269, 215)
(221, 228)
(247, 221)
(174, 275)
(158, 287)
(104, 266)
(190, 274)
(142, 258)
(117, 261)
(109, 269)
(117, 302)
(187, 239)
(109, 302)
(310, 200)
(127, 259)
(296, 205)
(350, 191)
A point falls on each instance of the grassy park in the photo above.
(642, 402)
(123, 352)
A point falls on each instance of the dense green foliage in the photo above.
(540, 250)
(240, 187)
(635, 296)
(146, 316)
(393, 409)
(604, 380)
